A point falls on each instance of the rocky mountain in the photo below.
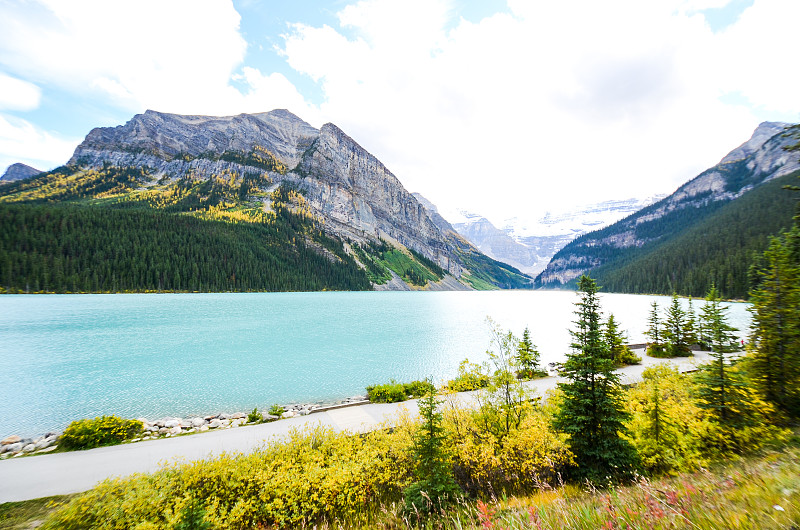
(501, 272)
(18, 171)
(254, 167)
(763, 158)
(529, 246)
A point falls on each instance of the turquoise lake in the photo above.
(65, 357)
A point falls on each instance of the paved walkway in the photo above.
(61, 473)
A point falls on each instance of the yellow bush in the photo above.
(315, 475)
(527, 458)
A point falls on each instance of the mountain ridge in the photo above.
(252, 167)
(761, 159)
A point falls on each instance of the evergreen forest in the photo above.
(697, 248)
(116, 229)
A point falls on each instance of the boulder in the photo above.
(224, 416)
(45, 442)
(215, 423)
(203, 428)
(175, 430)
(11, 440)
(169, 424)
(29, 448)
(238, 415)
(269, 417)
(197, 422)
(288, 414)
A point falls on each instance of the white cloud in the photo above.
(21, 141)
(758, 56)
(549, 104)
(16, 94)
(554, 103)
(176, 56)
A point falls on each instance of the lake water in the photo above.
(65, 357)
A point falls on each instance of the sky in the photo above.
(505, 108)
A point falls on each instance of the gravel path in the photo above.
(61, 473)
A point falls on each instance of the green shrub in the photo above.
(657, 350)
(254, 417)
(104, 430)
(394, 392)
(276, 410)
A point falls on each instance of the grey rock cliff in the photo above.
(354, 195)
(18, 171)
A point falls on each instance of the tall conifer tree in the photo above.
(675, 330)
(592, 411)
(773, 359)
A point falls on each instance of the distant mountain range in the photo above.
(530, 246)
(707, 231)
(269, 181)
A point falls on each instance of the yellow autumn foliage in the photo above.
(315, 475)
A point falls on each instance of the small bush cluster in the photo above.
(394, 392)
(104, 430)
(471, 376)
(276, 410)
(254, 416)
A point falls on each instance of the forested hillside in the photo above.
(704, 233)
(86, 231)
(719, 249)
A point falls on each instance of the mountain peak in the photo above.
(763, 133)
(18, 171)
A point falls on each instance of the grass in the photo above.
(29, 514)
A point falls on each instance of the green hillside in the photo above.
(117, 230)
(717, 248)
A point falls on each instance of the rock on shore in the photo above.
(14, 445)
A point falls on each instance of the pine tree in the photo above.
(691, 324)
(528, 356)
(591, 411)
(675, 330)
(621, 354)
(435, 485)
(721, 390)
(773, 362)
(655, 348)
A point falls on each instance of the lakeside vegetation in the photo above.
(512, 460)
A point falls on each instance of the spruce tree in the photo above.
(721, 390)
(621, 354)
(674, 334)
(591, 411)
(655, 348)
(691, 324)
(528, 357)
(435, 485)
(773, 362)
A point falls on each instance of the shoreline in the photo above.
(16, 445)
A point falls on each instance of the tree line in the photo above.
(74, 248)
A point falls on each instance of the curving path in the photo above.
(61, 473)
